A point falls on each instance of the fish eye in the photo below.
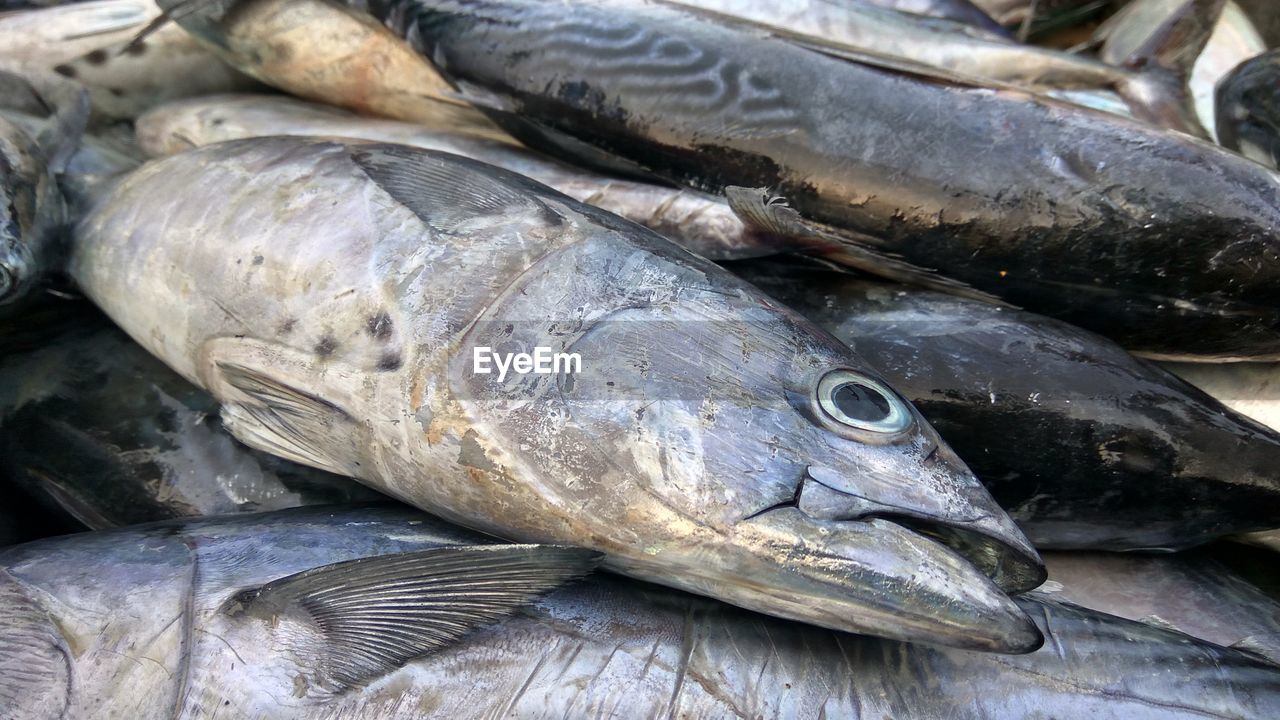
(855, 400)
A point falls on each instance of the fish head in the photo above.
(722, 443)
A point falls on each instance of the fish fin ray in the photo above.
(759, 209)
(446, 190)
(376, 614)
(35, 663)
(280, 419)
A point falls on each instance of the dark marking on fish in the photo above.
(65, 70)
(286, 327)
(379, 326)
(326, 346)
(96, 57)
(390, 362)
(117, 92)
(136, 48)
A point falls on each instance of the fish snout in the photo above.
(875, 577)
(966, 519)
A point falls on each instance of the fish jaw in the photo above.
(871, 577)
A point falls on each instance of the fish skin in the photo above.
(32, 214)
(603, 647)
(92, 45)
(353, 328)
(906, 179)
(1191, 592)
(1086, 446)
(959, 10)
(94, 424)
(326, 52)
(700, 223)
(1247, 107)
(959, 50)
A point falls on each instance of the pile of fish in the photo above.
(639, 358)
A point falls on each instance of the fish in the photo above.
(260, 616)
(33, 212)
(326, 52)
(345, 304)
(93, 424)
(92, 43)
(1234, 40)
(898, 186)
(1190, 592)
(701, 223)
(1086, 446)
(1247, 107)
(961, 52)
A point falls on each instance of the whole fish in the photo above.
(96, 425)
(339, 301)
(701, 223)
(1084, 445)
(321, 50)
(1234, 40)
(1190, 592)
(1248, 109)
(907, 182)
(1156, 96)
(271, 616)
(91, 43)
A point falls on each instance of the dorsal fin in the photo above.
(447, 190)
(371, 616)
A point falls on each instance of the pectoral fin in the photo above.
(369, 617)
(266, 406)
(759, 209)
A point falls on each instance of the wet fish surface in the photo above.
(92, 44)
(229, 622)
(1248, 109)
(95, 425)
(1086, 446)
(701, 223)
(785, 131)
(1190, 592)
(959, 51)
(337, 314)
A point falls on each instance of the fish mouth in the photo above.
(871, 576)
(976, 528)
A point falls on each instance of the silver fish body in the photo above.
(337, 318)
(701, 223)
(168, 621)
